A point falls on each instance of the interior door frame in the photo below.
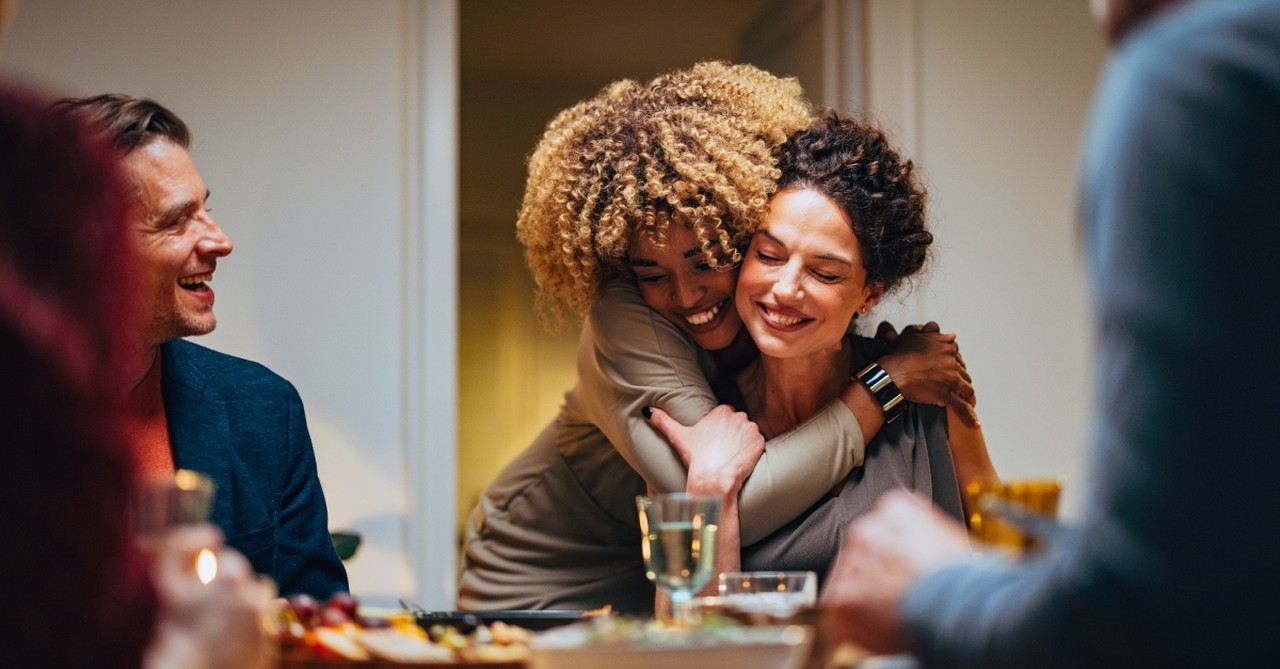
(429, 261)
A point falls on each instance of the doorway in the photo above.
(521, 63)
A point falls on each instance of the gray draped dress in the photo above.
(911, 452)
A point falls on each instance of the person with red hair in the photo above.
(68, 462)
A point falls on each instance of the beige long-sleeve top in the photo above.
(558, 527)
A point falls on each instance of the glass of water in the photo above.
(678, 541)
(776, 594)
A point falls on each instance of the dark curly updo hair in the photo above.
(854, 165)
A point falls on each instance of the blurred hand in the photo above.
(214, 625)
(720, 450)
(925, 364)
(881, 556)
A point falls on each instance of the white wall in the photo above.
(1003, 89)
(310, 129)
(989, 98)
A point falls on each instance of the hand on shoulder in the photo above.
(927, 367)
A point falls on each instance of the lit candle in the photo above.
(206, 565)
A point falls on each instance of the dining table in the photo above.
(824, 653)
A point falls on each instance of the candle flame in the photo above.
(206, 565)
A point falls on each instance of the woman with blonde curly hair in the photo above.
(637, 207)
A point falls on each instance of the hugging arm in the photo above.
(722, 449)
(925, 364)
(630, 357)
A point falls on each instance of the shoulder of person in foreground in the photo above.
(1179, 185)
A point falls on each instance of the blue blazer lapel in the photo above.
(198, 425)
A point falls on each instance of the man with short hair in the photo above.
(196, 408)
(1176, 559)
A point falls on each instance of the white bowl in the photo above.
(783, 647)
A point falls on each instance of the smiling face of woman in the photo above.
(676, 281)
(803, 278)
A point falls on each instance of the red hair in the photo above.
(76, 585)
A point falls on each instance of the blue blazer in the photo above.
(243, 425)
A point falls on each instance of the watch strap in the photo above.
(884, 390)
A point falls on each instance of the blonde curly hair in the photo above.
(693, 146)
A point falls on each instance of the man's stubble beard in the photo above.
(175, 326)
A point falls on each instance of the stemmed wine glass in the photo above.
(678, 541)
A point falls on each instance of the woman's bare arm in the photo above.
(969, 456)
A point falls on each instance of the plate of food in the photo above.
(319, 635)
(715, 643)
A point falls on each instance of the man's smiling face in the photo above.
(176, 240)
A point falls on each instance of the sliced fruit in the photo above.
(339, 641)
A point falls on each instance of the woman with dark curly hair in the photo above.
(846, 226)
(638, 205)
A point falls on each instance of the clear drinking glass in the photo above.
(776, 594)
(163, 502)
(678, 541)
